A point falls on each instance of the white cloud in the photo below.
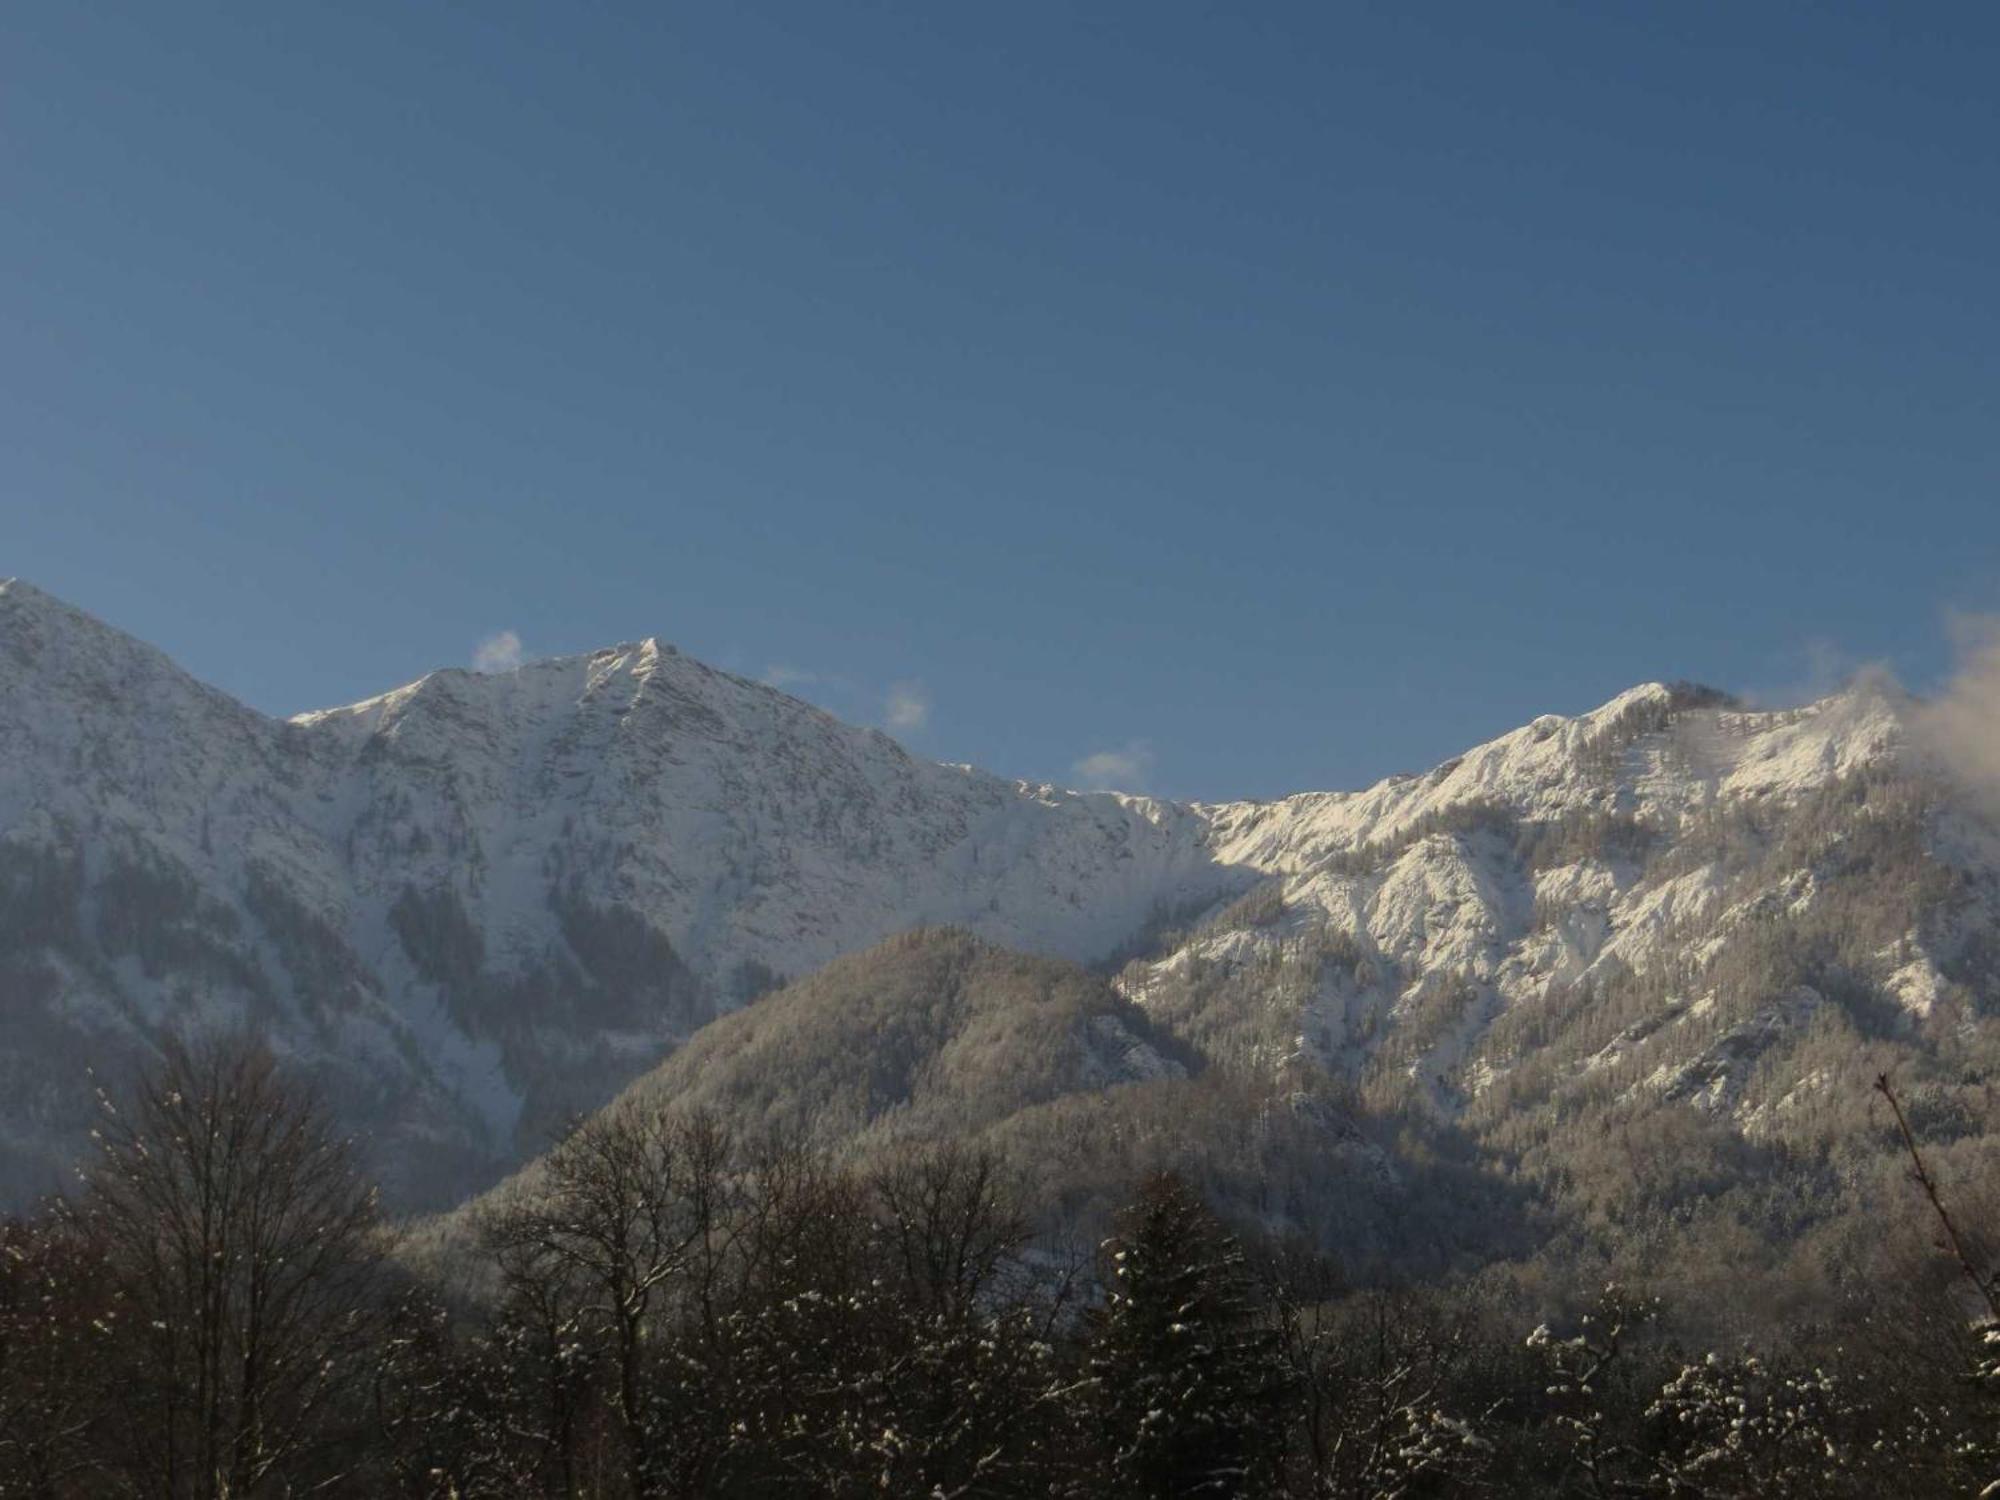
(1125, 770)
(497, 653)
(907, 707)
(1961, 726)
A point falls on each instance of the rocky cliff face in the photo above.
(1444, 929)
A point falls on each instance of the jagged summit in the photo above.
(555, 684)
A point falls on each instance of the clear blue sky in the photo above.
(1302, 391)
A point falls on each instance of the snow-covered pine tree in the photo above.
(1185, 1380)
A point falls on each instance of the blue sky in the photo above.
(1294, 393)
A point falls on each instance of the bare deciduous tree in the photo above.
(56, 1322)
(626, 1207)
(242, 1246)
(952, 1217)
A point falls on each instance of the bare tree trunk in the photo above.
(1987, 1286)
(246, 1248)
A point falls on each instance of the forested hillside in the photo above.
(668, 1305)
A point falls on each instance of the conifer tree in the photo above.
(1184, 1372)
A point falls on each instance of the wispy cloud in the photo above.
(1814, 668)
(1122, 770)
(1961, 726)
(498, 653)
(907, 707)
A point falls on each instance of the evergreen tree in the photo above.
(1184, 1370)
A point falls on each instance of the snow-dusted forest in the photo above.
(667, 1306)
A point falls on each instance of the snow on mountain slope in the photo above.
(748, 825)
(477, 903)
(1556, 766)
(1654, 896)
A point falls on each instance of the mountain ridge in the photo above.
(477, 903)
(479, 879)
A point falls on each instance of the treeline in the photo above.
(663, 1309)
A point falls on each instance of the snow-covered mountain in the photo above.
(479, 902)
(1577, 853)
(1569, 855)
(476, 903)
